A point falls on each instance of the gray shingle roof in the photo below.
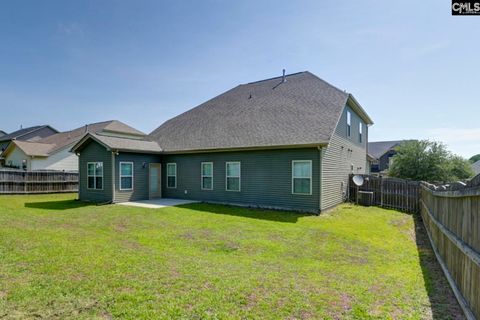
(378, 149)
(120, 143)
(304, 110)
(19, 133)
(476, 167)
(63, 139)
(125, 144)
(51, 144)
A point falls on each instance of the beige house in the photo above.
(53, 152)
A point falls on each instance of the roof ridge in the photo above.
(32, 142)
(328, 83)
(279, 77)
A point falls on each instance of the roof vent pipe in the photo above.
(86, 128)
(283, 77)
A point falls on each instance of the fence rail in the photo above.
(390, 193)
(26, 182)
(451, 215)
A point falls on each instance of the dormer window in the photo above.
(349, 124)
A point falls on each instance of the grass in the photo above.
(61, 258)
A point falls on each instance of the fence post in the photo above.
(381, 191)
(407, 195)
(24, 181)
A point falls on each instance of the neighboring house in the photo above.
(53, 152)
(476, 167)
(26, 134)
(380, 154)
(2, 133)
(287, 142)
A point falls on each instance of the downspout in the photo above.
(113, 176)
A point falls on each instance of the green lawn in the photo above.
(61, 258)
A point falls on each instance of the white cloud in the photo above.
(464, 141)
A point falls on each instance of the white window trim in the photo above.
(205, 176)
(349, 124)
(174, 164)
(239, 176)
(95, 176)
(293, 177)
(122, 176)
(360, 132)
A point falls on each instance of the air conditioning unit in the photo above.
(365, 198)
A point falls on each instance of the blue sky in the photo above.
(412, 66)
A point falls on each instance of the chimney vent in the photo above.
(283, 77)
(86, 128)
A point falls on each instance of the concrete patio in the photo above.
(157, 203)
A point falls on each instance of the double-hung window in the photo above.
(232, 176)
(171, 175)
(126, 175)
(95, 175)
(360, 132)
(349, 124)
(207, 175)
(302, 177)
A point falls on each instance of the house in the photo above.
(53, 152)
(288, 142)
(380, 154)
(476, 167)
(26, 134)
(2, 133)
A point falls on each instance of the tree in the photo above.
(460, 168)
(425, 160)
(475, 158)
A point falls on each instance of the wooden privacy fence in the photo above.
(451, 215)
(25, 182)
(391, 193)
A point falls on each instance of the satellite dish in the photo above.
(358, 180)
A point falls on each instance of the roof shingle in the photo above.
(303, 110)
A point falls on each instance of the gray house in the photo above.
(288, 142)
(381, 153)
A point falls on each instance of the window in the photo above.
(360, 132)
(171, 175)
(126, 175)
(207, 175)
(95, 175)
(302, 177)
(233, 176)
(349, 124)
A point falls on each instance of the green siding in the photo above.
(341, 153)
(341, 129)
(94, 152)
(140, 176)
(266, 178)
